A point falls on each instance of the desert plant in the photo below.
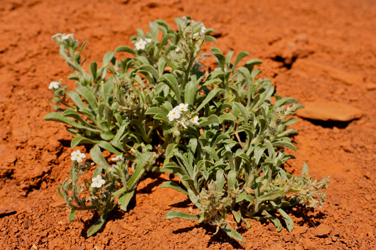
(216, 130)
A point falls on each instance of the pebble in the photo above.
(323, 230)
(329, 111)
(371, 86)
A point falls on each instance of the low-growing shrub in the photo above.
(217, 130)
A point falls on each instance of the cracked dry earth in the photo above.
(312, 50)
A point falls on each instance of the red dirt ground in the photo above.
(320, 49)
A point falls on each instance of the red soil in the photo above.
(320, 49)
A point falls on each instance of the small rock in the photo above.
(288, 238)
(368, 197)
(371, 86)
(6, 211)
(329, 111)
(128, 227)
(271, 228)
(276, 246)
(323, 230)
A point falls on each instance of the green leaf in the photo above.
(81, 140)
(88, 95)
(213, 93)
(58, 117)
(220, 180)
(289, 222)
(171, 81)
(275, 220)
(190, 91)
(231, 179)
(77, 99)
(151, 70)
(221, 59)
(169, 151)
(240, 56)
(156, 110)
(93, 70)
(97, 157)
(232, 233)
(97, 225)
(291, 121)
(173, 185)
(124, 199)
(97, 171)
(181, 215)
(284, 144)
(72, 213)
(288, 132)
(305, 170)
(243, 110)
(284, 101)
(107, 58)
(226, 117)
(237, 216)
(211, 151)
(125, 49)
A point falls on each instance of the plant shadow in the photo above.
(220, 237)
(157, 180)
(115, 214)
(329, 124)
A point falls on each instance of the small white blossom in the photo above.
(148, 40)
(66, 37)
(57, 35)
(117, 158)
(183, 107)
(196, 35)
(97, 182)
(203, 29)
(193, 121)
(140, 44)
(173, 114)
(77, 156)
(54, 85)
(177, 49)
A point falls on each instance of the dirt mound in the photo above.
(311, 50)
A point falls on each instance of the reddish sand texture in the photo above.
(321, 49)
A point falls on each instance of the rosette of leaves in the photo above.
(231, 162)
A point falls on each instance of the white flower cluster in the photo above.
(176, 113)
(141, 43)
(201, 33)
(54, 85)
(63, 37)
(77, 156)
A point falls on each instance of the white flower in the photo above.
(66, 37)
(183, 107)
(203, 29)
(97, 182)
(117, 158)
(196, 35)
(57, 35)
(177, 49)
(77, 156)
(140, 44)
(148, 40)
(54, 85)
(173, 114)
(193, 121)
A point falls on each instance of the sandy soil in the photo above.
(320, 49)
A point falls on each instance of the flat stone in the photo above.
(327, 70)
(323, 230)
(371, 86)
(329, 111)
(6, 211)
